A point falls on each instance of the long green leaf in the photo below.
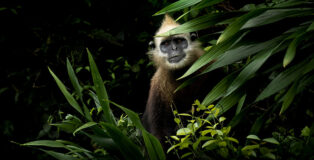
(288, 98)
(66, 93)
(274, 15)
(287, 77)
(213, 53)
(152, 144)
(59, 156)
(199, 23)
(219, 90)
(238, 23)
(100, 90)
(127, 148)
(229, 101)
(241, 52)
(45, 143)
(251, 68)
(181, 4)
(86, 125)
(78, 88)
(240, 104)
(290, 54)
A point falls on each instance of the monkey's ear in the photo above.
(151, 45)
(194, 36)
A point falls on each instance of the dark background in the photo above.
(37, 34)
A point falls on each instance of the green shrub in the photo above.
(105, 136)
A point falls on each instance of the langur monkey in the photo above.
(172, 56)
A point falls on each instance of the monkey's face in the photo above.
(174, 48)
(175, 52)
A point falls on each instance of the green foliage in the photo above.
(266, 50)
(203, 139)
(114, 139)
(254, 46)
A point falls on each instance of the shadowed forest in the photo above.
(75, 78)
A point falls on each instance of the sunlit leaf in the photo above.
(86, 125)
(290, 54)
(271, 140)
(254, 137)
(209, 143)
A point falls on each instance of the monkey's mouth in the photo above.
(176, 58)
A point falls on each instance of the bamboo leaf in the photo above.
(219, 90)
(78, 88)
(288, 98)
(152, 144)
(240, 104)
(274, 15)
(100, 90)
(290, 54)
(127, 148)
(243, 51)
(251, 69)
(287, 77)
(213, 53)
(45, 143)
(229, 101)
(66, 93)
(234, 27)
(86, 125)
(59, 156)
(181, 4)
(199, 23)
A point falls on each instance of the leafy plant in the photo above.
(204, 139)
(266, 48)
(111, 138)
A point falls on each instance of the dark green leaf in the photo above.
(219, 90)
(100, 90)
(199, 23)
(127, 148)
(288, 98)
(274, 15)
(45, 143)
(240, 104)
(290, 54)
(59, 156)
(238, 53)
(181, 4)
(251, 68)
(152, 144)
(238, 23)
(66, 93)
(287, 77)
(213, 53)
(78, 88)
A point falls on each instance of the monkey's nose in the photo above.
(174, 47)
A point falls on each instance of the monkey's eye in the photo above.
(151, 45)
(193, 36)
